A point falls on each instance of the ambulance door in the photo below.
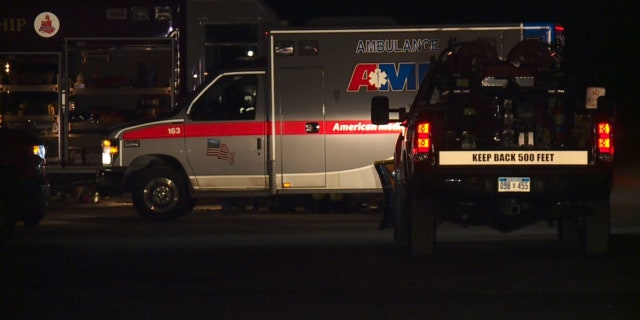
(299, 99)
(225, 134)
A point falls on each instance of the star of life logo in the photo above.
(378, 78)
(46, 24)
(403, 76)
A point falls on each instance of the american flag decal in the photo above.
(220, 150)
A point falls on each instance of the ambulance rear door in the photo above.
(297, 97)
(300, 139)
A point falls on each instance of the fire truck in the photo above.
(297, 124)
(72, 70)
(505, 137)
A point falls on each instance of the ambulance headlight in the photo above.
(40, 151)
(109, 151)
(39, 158)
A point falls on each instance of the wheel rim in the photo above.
(160, 195)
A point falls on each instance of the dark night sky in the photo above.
(603, 37)
(458, 11)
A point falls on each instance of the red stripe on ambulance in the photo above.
(348, 127)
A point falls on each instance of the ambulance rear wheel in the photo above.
(161, 194)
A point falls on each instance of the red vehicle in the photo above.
(24, 189)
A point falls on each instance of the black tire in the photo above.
(34, 204)
(32, 218)
(10, 200)
(401, 215)
(160, 194)
(597, 227)
(589, 233)
(8, 219)
(192, 204)
(423, 223)
(570, 232)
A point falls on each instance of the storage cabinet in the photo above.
(115, 81)
(107, 81)
(30, 95)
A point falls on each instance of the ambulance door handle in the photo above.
(312, 127)
(259, 144)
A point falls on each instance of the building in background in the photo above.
(71, 70)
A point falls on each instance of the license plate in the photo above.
(514, 184)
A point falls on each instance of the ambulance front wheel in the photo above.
(161, 194)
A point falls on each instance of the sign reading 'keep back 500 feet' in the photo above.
(462, 158)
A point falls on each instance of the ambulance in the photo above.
(298, 122)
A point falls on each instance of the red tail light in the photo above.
(605, 140)
(422, 142)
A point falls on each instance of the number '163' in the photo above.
(173, 130)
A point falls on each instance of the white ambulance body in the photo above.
(300, 125)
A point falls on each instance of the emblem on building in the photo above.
(46, 24)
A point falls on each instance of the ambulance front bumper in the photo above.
(110, 181)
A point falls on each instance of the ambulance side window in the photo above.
(232, 97)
